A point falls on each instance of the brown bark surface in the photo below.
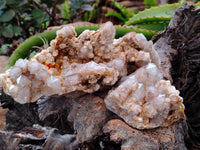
(180, 53)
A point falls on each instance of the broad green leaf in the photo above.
(27, 18)
(23, 3)
(7, 16)
(39, 17)
(17, 30)
(16, 3)
(154, 26)
(32, 54)
(150, 3)
(87, 7)
(41, 20)
(66, 12)
(76, 4)
(36, 13)
(90, 14)
(4, 49)
(151, 20)
(7, 32)
(160, 11)
(115, 14)
(50, 3)
(2, 4)
(13, 2)
(46, 18)
(85, 16)
(125, 12)
(87, 1)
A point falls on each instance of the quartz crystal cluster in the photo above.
(95, 60)
(144, 100)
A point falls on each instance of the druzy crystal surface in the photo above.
(95, 60)
(144, 100)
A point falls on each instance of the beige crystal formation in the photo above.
(85, 63)
(92, 61)
(144, 100)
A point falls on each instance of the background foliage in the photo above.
(20, 19)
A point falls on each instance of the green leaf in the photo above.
(4, 49)
(37, 13)
(32, 54)
(7, 32)
(125, 12)
(50, 3)
(87, 1)
(89, 15)
(39, 16)
(27, 18)
(11, 2)
(2, 4)
(149, 20)
(41, 20)
(7, 16)
(23, 3)
(17, 30)
(87, 7)
(14, 3)
(159, 11)
(17, 3)
(118, 15)
(66, 12)
(150, 3)
(85, 16)
(154, 26)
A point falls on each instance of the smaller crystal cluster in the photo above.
(95, 60)
(144, 100)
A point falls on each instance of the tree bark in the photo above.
(180, 55)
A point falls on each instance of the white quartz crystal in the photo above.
(22, 63)
(144, 100)
(22, 81)
(34, 67)
(14, 73)
(92, 61)
(71, 63)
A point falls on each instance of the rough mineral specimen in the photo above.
(85, 63)
(95, 60)
(144, 100)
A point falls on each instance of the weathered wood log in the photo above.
(179, 48)
(94, 127)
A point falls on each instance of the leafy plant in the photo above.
(76, 8)
(65, 12)
(16, 17)
(155, 18)
(20, 19)
(88, 16)
(123, 13)
(3, 50)
(150, 3)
